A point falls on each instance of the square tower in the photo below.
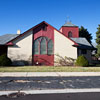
(70, 30)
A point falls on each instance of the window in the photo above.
(43, 48)
(70, 34)
(50, 47)
(83, 51)
(36, 47)
(44, 28)
(43, 45)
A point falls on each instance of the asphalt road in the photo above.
(39, 83)
(63, 96)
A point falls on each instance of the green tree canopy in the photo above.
(98, 41)
(84, 33)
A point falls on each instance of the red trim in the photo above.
(10, 43)
(36, 27)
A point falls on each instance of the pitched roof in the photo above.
(6, 38)
(68, 24)
(83, 43)
(36, 27)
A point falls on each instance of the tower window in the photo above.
(70, 34)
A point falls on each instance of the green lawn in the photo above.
(49, 69)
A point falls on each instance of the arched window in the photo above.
(50, 47)
(43, 46)
(36, 47)
(70, 34)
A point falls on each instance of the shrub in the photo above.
(64, 61)
(5, 61)
(81, 61)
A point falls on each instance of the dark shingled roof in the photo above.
(68, 24)
(6, 38)
(83, 43)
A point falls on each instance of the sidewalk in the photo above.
(52, 95)
(54, 91)
(50, 74)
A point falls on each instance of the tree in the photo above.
(98, 41)
(84, 33)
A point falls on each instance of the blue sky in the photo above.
(24, 14)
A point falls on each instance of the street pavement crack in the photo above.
(26, 82)
(61, 79)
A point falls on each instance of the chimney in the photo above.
(18, 31)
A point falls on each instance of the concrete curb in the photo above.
(47, 74)
(57, 91)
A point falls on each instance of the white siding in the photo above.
(22, 49)
(63, 46)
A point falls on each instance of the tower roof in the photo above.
(68, 24)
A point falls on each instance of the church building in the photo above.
(41, 43)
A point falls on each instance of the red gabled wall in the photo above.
(74, 30)
(38, 32)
